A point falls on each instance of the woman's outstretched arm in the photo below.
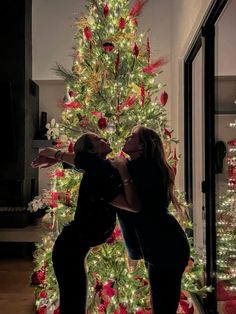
(59, 155)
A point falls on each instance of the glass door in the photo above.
(201, 160)
(194, 148)
(225, 161)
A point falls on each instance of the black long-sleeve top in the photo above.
(94, 216)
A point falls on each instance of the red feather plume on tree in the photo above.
(71, 148)
(137, 7)
(135, 50)
(130, 101)
(121, 23)
(106, 10)
(87, 33)
(72, 105)
(168, 133)
(97, 114)
(142, 94)
(154, 66)
(117, 62)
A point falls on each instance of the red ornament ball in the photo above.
(163, 98)
(102, 123)
(108, 47)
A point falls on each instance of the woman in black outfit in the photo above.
(95, 217)
(162, 241)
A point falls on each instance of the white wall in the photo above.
(52, 32)
(185, 20)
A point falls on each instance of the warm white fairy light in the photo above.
(232, 124)
(232, 160)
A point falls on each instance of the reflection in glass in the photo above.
(197, 147)
(225, 159)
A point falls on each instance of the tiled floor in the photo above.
(16, 294)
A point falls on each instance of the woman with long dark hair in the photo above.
(162, 241)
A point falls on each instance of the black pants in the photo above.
(68, 256)
(165, 286)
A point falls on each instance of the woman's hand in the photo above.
(48, 152)
(119, 162)
(43, 162)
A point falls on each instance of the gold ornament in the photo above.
(121, 36)
(77, 69)
(90, 19)
(82, 22)
(88, 98)
(93, 81)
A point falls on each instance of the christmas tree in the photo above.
(114, 85)
(226, 232)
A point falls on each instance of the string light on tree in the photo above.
(226, 236)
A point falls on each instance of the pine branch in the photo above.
(65, 74)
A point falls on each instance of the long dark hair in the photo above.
(153, 149)
(84, 143)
